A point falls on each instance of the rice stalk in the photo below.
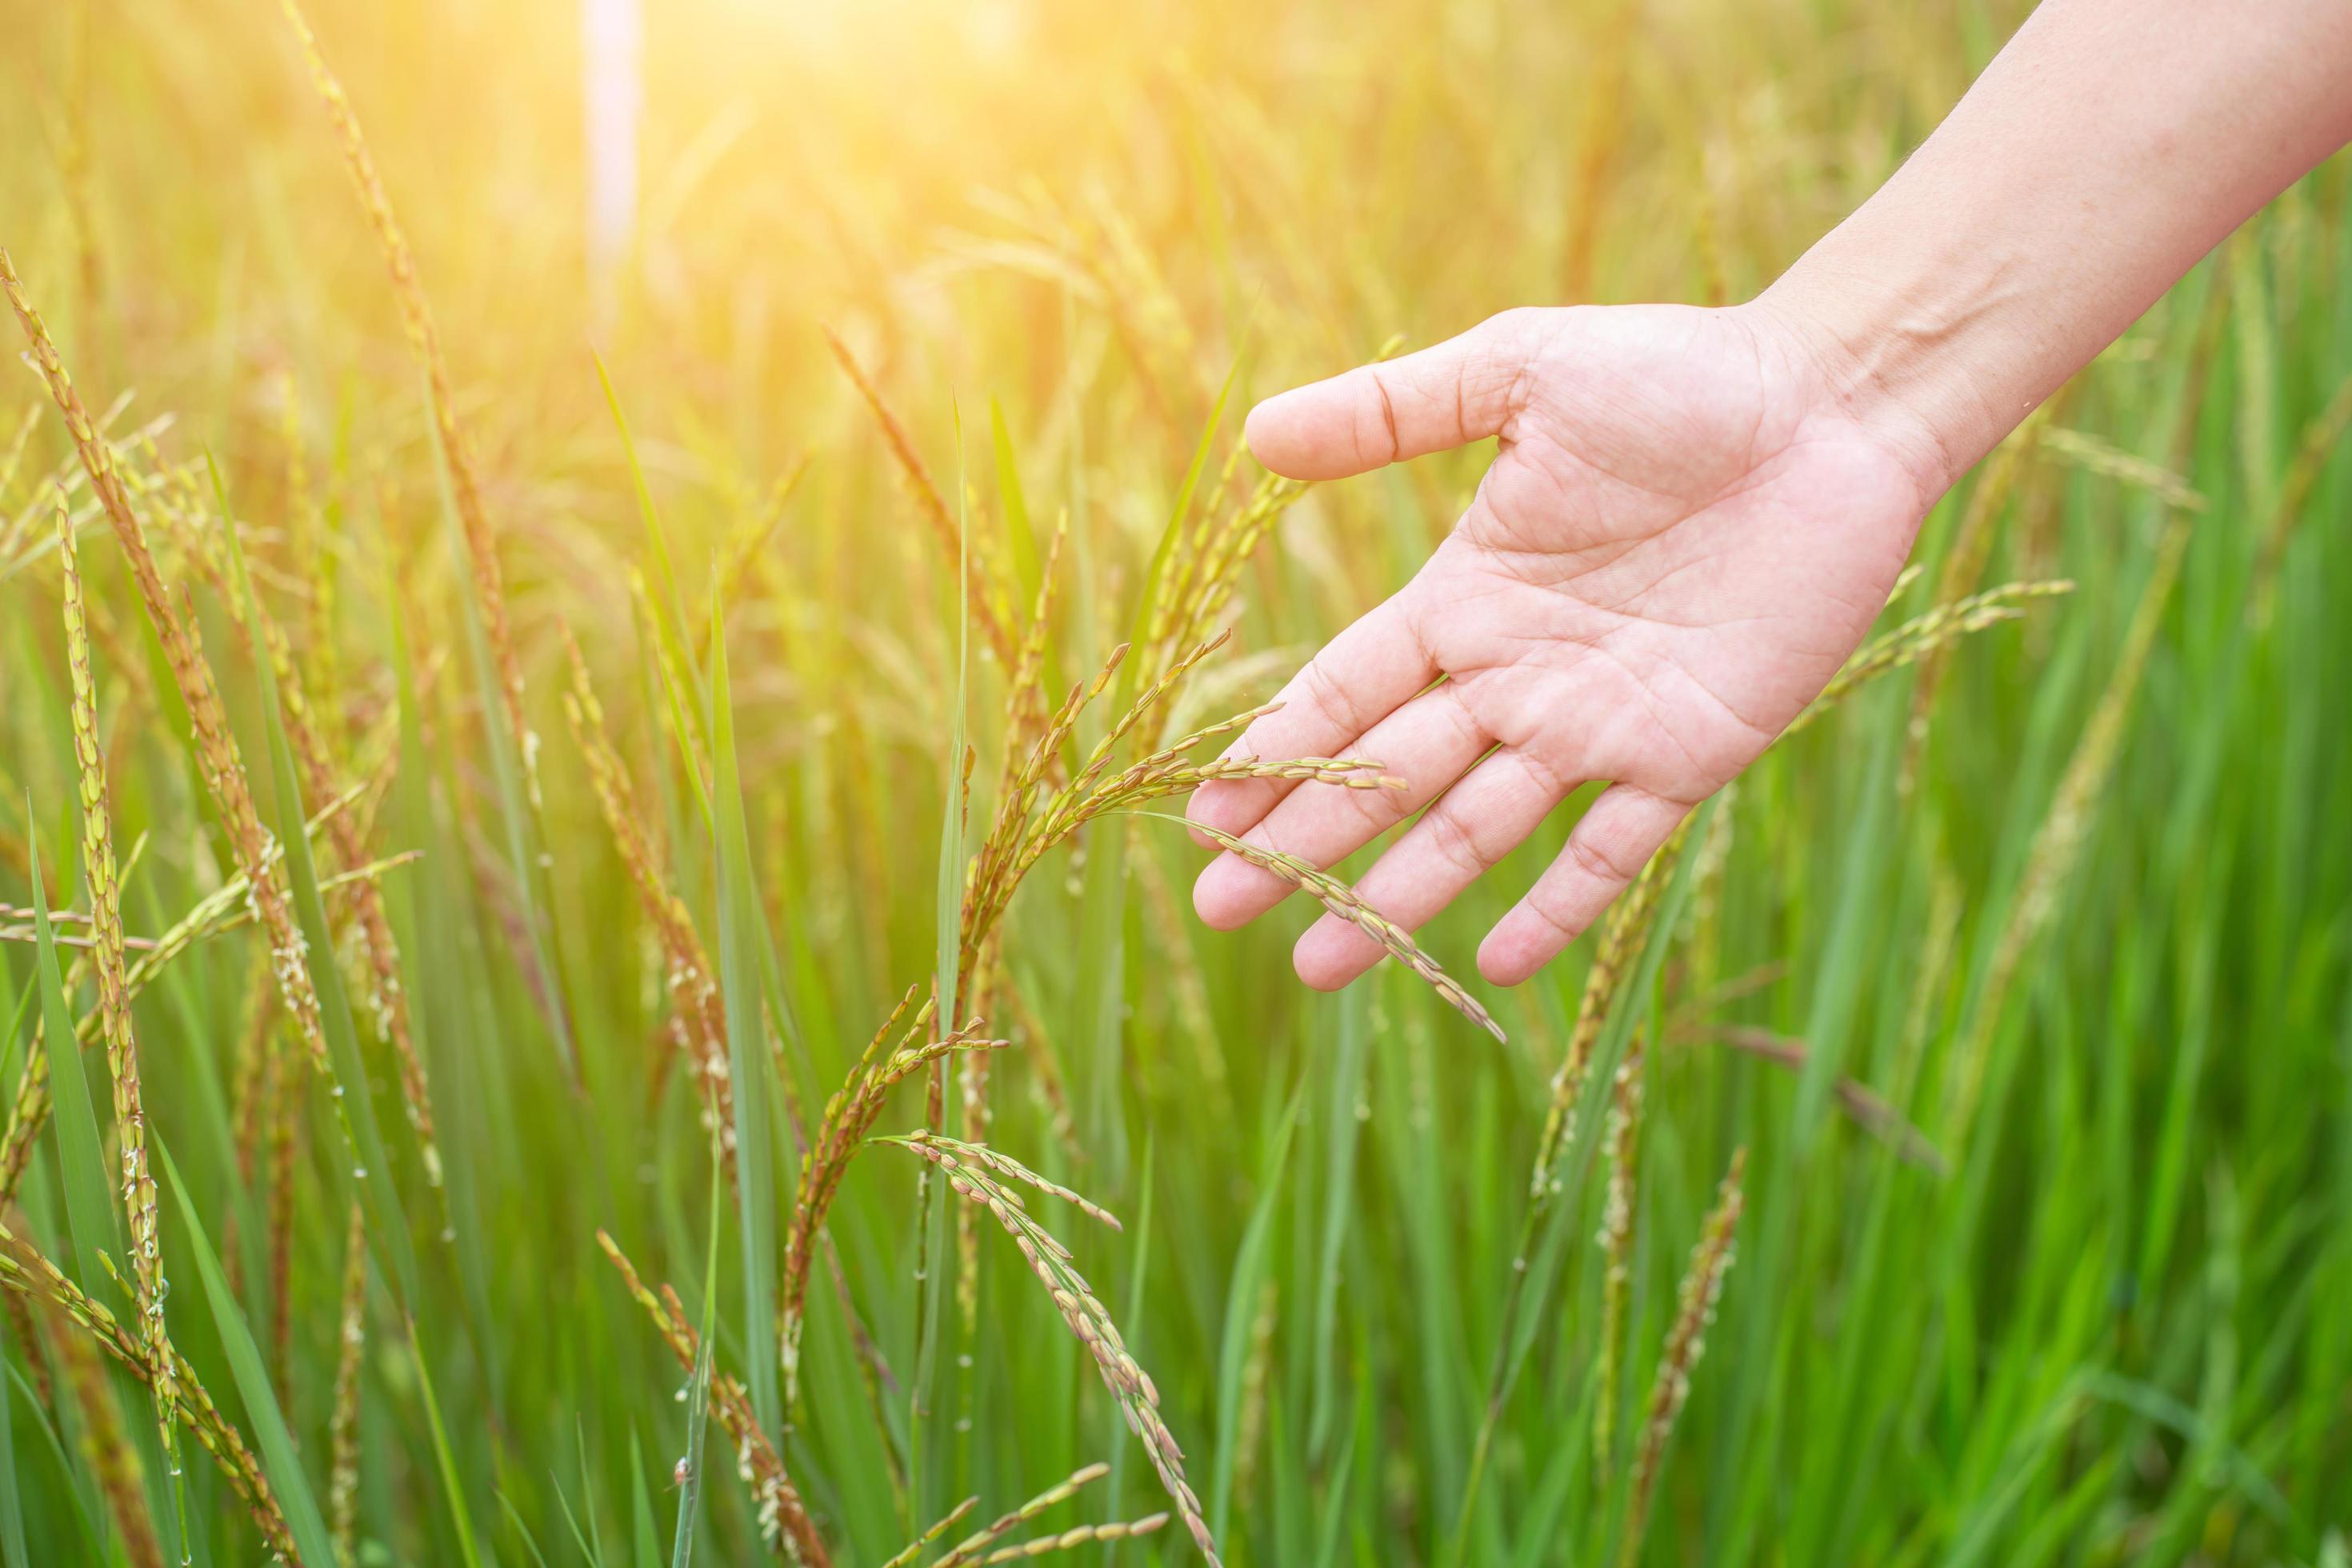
(1185, 978)
(424, 342)
(1023, 832)
(107, 1451)
(286, 1129)
(1257, 1367)
(1963, 564)
(313, 565)
(945, 1522)
(783, 1517)
(225, 909)
(986, 599)
(1616, 1242)
(1704, 931)
(248, 1088)
(1702, 1286)
(343, 1428)
(2050, 862)
(2321, 438)
(1342, 901)
(849, 1113)
(1923, 636)
(1052, 1091)
(698, 1015)
(219, 761)
(1624, 936)
(992, 1180)
(12, 456)
(972, 1077)
(1075, 1537)
(1025, 714)
(1868, 1110)
(2097, 455)
(114, 1003)
(970, 1549)
(1210, 566)
(313, 743)
(27, 1272)
(1623, 932)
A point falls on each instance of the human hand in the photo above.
(1692, 522)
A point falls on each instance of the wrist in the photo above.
(1915, 363)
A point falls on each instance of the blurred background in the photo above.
(2025, 977)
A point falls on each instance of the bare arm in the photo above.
(1695, 515)
(2102, 154)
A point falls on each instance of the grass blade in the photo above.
(672, 631)
(1028, 561)
(12, 1505)
(949, 905)
(1250, 1266)
(698, 1393)
(930, 1230)
(91, 1218)
(642, 1538)
(303, 1519)
(739, 986)
(1133, 675)
(452, 1485)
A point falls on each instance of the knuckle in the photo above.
(1376, 810)
(1562, 924)
(1378, 437)
(1598, 858)
(1457, 843)
(1329, 698)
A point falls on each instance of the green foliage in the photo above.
(2115, 1000)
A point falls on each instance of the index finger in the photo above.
(1363, 675)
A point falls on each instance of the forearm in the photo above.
(2107, 148)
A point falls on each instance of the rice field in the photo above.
(605, 621)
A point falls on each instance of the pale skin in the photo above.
(1695, 515)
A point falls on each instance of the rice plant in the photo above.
(591, 862)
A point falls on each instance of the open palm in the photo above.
(1683, 536)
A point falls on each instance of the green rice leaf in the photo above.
(453, 1484)
(698, 1394)
(18, 1017)
(91, 1218)
(1028, 561)
(1634, 995)
(523, 1529)
(1346, 1088)
(1130, 675)
(930, 1233)
(270, 1436)
(1139, 1289)
(950, 909)
(1250, 1267)
(739, 984)
(80, 1490)
(591, 1541)
(672, 631)
(1856, 928)
(11, 1506)
(641, 1507)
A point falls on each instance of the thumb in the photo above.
(1463, 390)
